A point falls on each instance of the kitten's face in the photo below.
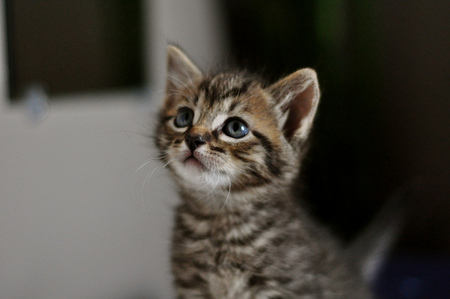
(222, 130)
(227, 131)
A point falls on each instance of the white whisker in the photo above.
(149, 175)
(228, 195)
(146, 162)
(178, 80)
(183, 94)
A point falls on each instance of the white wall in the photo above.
(73, 221)
(76, 220)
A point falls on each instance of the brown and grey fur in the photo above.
(238, 232)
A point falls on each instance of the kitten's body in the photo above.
(266, 251)
(234, 148)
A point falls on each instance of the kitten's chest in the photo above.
(231, 268)
(208, 249)
(228, 283)
(234, 241)
(219, 242)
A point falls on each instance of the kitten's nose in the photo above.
(194, 141)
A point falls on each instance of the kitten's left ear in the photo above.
(296, 98)
(181, 71)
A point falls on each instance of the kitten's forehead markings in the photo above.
(198, 105)
(219, 120)
(221, 117)
(232, 106)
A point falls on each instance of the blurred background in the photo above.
(85, 211)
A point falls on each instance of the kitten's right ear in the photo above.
(180, 69)
(296, 98)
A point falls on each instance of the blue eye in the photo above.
(235, 128)
(184, 118)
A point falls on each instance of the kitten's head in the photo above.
(230, 131)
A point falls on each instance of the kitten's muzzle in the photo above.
(194, 140)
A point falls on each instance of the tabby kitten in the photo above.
(234, 148)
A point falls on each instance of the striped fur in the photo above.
(238, 232)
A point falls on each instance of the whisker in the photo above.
(206, 195)
(195, 201)
(189, 77)
(177, 92)
(146, 162)
(200, 188)
(178, 80)
(149, 175)
(228, 195)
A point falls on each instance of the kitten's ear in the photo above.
(296, 98)
(180, 70)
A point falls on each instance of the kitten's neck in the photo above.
(223, 200)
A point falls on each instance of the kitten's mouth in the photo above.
(192, 161)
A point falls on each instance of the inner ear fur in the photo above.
(181, 71)
(296, 98)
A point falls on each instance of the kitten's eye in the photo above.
(184, 118)
(235, 128)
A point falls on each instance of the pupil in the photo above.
(184, 118)
(235, 128)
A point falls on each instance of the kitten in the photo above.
(234, 148)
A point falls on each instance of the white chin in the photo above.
(196, 177)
